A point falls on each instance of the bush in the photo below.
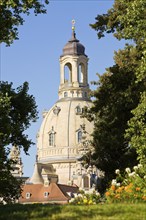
(84, 198)
(129, 186)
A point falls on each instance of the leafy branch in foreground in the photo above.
(11, 16)
(17, 110)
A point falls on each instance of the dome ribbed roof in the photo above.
(73, 47)
(64, 126)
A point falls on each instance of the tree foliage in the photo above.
(11, 16)
(136, 131)
(120, 102)
(17, 111)
(116, 95)
(10, 186)
(125, 19)
(17, 107)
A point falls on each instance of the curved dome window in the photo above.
(78, 110)
(52, 137)
(67, 73)
(79, 136)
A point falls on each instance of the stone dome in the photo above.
(73, 47)
(64, 121)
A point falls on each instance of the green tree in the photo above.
(120, 96)
(17, 107)
(136, 132)
(116, 95)
(11, 16)
(17, 110)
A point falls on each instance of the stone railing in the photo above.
(56, 152)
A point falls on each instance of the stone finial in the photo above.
(73, 24)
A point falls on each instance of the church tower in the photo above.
(63, 130)
(73, 70)
(18, 166)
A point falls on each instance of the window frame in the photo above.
(52, 137)
(79, 136)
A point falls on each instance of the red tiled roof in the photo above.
(56, 193)
(66, 188)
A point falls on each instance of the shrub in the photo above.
(129, 186)
(84, 198)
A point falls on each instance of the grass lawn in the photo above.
(71, 212)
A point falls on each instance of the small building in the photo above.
(53, 193)
(36, 190)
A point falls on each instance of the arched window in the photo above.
(52, 137)
(78, 110)
(67, 73)
(79, 136)
(81, 73)
(65, 94)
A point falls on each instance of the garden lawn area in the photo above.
(117, 211)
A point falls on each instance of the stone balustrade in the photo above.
(56, 152)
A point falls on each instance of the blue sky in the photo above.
(35, 56)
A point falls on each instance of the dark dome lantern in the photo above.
(73, 47)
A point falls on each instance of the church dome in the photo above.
(61, 131)
(73, 47)
(64, 135)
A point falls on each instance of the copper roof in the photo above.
(73, 47)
